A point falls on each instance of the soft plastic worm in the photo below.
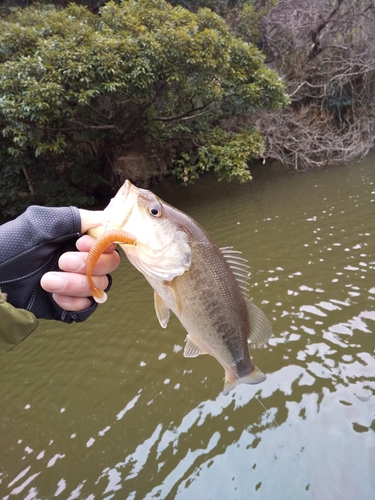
(112, 236)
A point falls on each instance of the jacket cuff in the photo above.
(15, 325)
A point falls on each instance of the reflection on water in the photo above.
(111, 408)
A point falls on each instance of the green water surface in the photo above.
(110, 408)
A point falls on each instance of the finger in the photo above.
(92, 218)
(75, 262)
(72, 303)
(71, 284)
(85, 242)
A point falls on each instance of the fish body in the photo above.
(202, 284)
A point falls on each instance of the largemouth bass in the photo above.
(204, 285)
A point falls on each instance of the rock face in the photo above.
(133, 165)
(137, 166)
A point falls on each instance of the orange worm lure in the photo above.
(101, 243)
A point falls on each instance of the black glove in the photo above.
(30, 246)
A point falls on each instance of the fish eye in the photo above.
(155, 210)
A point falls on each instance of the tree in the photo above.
(82, 94)
(326, 53)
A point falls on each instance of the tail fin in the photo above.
(255, 377)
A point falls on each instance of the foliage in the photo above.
(244, 19)
(225, 153)
(78, 91)
(242, 16)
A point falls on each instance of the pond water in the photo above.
(110, 409)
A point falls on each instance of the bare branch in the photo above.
(186, 115)
(331, 83)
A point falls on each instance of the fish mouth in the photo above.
(121, 206)
(130, 199)
(126, 187)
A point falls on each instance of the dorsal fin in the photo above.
(239, 267)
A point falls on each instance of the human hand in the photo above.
(70, 288)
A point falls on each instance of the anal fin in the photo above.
(191, 349)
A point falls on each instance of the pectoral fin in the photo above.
(260, 327)
(176, 296)
(191, 349)
(162, 311)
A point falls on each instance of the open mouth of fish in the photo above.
(121, 206)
